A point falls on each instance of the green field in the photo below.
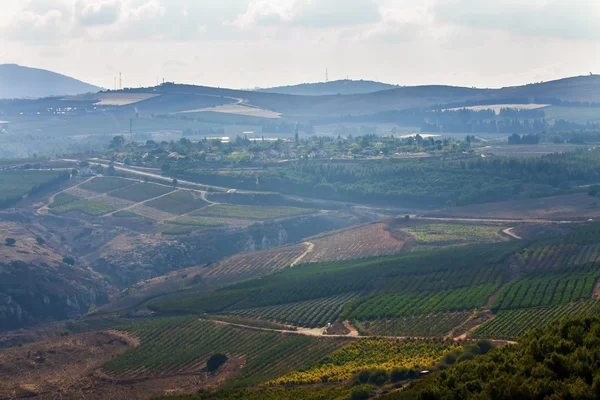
(141, 192)
(312, 313)
(106, 184)
(63, 198)
(279, 393)
(420, 325)
(126, 214)
(14, 184)
(180, 345)
(454, 234)
(195, 222)
(252, 212)
(89, 207)
(510, 324)
(180, 202)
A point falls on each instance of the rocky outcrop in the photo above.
(31, 293)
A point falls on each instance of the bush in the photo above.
(10, 241)
(465, 356)
(69, 260)
(40, 240)
(378, 377)
(215, 361)
(360, 394)
(363, 376)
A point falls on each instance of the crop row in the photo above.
(182, 345)
(418, 325)
(179, 202)
(545, 288)
(106, 184)
(14, 184)
(252, 265)
(510, 324)
(454, 234)
(418, 303)
(313, 313)
(557, 256)
(141, 192)
(368, 354)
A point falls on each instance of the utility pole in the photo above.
(120, 81)
(326, 75)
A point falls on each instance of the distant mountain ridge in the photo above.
(18, 82)
(344, 86)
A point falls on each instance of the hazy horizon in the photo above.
(264, 43)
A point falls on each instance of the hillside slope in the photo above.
(22, 82)
(344, 86)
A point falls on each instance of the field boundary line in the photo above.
(309, 249)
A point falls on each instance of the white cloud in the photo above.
(98, 12)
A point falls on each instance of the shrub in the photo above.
(69, 260)
(40, 240)
(378, 377)
(10, 241)
(215, 361)
(363, 376)
(360, 394)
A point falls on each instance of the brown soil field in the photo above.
(370, 240)
(573, 207)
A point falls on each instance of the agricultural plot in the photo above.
(419, 303)
(177, 230)
(14, 184)
(279, 393)
(252, 265)
(89, 207)
(252, 212)
(510, 324)
(557, 256)
(106, 184)
(63, 198)
(420, 325)
(177, 346)
(77, 191)
(126, 214)
(312, 314)
(369, 354)
(114, 202)
(151, 213)
(545, 288)
(141, 192)
(365, 241)
(435, 235)
(179, 202)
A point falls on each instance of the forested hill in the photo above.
(345, 86)
(556, 362)
(18, 82)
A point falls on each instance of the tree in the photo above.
(10, 242)
(40, 240)
(215, 361)
(69, 260)
(594, 190)
(117, 142)
(175, 182)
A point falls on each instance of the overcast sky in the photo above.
(261, 43)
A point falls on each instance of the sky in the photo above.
(265, 43)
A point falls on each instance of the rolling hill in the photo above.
(18, 82)
(344, 86)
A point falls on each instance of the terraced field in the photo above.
(312, 314)
(510, 324)
(362, 242)
(106, 184)
(182, 345)
(418, 325)
(252, 212)
(179, 202)
(141, 192)
(369, 354)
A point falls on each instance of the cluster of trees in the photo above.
(557, 361)
(525, 139)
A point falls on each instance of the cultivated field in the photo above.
(453, 234)
(89, 207)
(177, 346)
(151, 213)
(252, 212)
(179, 202)
(531, 150)
(370, 354)
(106, 184)
(418, 325)
(141, 192)
(113, 99)
(237, 110)
(63, 198)
(510, 324)
(362, 242)
(312, 314)
(15, 184)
